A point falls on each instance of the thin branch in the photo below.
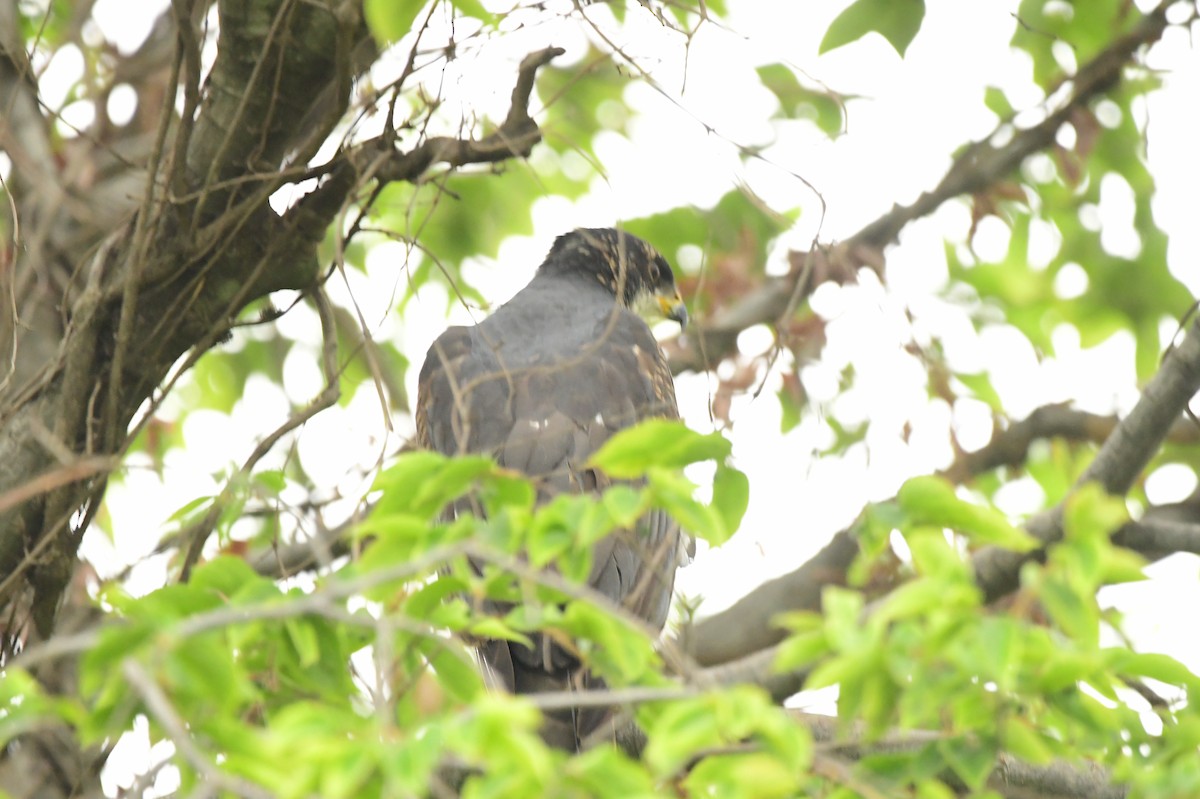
(1009, 446)
(159, 706)
(1010, 777)
(323, 601)
(1118, 463)
(746, 626)
(1120, 460)
(1160, 537)
(200, 532)
(980, 165)
(376, 158)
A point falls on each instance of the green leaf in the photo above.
(422, 483)
(619, 650)
(981, 386)
(390, 20)
(933, 555)
(971, 761)
(796, 101)
(932, 500)
(1156, 666)
(492, 627)
(1093, 514)
(658, 442)
(896, 20)
(923, 596)
(843, 617)
(607, 772)
(422, 602)
(679, 730)
(624, 505)
(754, 775)
(997, 102)
(455, 670)
(227, 576)
(672, 492)
(740, 224)
(730, 497)
(1073, 609)
(1063, 670)
(800, 650)
(304, 638)
(1023, 740)
(475, 9)
(843, 670)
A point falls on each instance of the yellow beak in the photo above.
(673, 308)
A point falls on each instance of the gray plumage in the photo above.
(540, 385)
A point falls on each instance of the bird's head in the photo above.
(637, 275)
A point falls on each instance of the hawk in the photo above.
(540, 385)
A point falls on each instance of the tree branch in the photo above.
(1009, 446)
(377, 158)
(980, 165)
(746, 626)
(1118, 463)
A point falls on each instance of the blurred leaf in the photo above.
(1023, 740)
(581, 101)
(971, 761)
(1093, 514)
(731, 497)
(389, 20)
(658, 442)
(475, 9)
(455, 671)
(423, 482)
(739, 223)
(1072, 608)
(800, 650)
(981, 386)
(753, 775)
(673, 493)
(932, 500)
(606, 772)
(896, 20)
(304, 638)
(619, 651)
(997, 102)
(822, 108)
(680, 729)
(1154, 666)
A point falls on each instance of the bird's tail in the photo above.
(517, 669)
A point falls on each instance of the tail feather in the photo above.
(515, 668)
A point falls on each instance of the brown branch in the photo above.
(199, 533)
(980, 165)
(378, 159)
(746, 626)
(1118, 463)
(1010, 777)
(159, 707)
(1009, 446)
(1120, 460)
(1158, 538)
